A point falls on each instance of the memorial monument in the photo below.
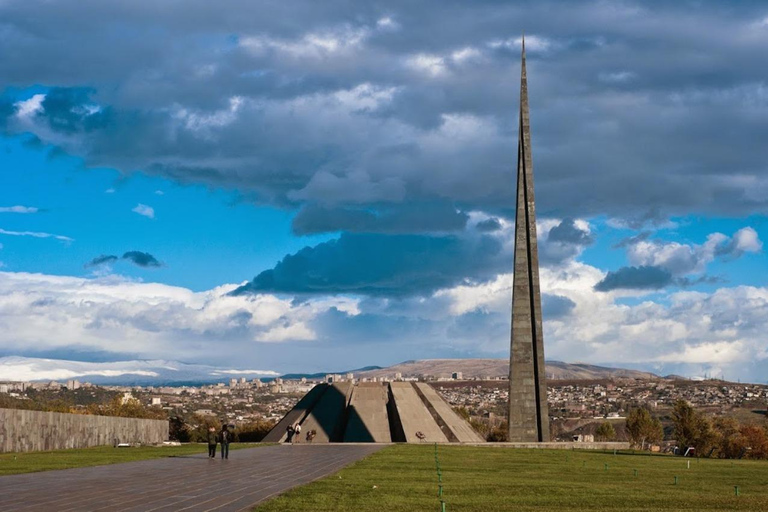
(374, 412)
(528, 413)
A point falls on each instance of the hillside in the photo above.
(471, 368)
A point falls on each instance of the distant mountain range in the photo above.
(162, 372)
(136, 372)
(471, 368)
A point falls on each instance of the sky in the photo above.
(323, 186)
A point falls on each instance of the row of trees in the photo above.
(110, 405)
(722, 437)
(196, 429)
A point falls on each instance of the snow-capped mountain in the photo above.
(15, 368)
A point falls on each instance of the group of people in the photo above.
(223, 437)
(293, 434)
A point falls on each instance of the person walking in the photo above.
(225, 437)
(212, 440)
(297, 432)
(289, 434)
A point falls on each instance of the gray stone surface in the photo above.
(414, 415)
(328, 416)
(296, 415)
(461, 430)
(26, 431)
(528, 414)
(368, 420)
(192, 483)
(372, 412)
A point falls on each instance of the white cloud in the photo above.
(109, 191)
(18, 209)
(146, 211)
(466, 54)
(694, 331)
(317, 45)
(202, 122)
(387, 24)
(435, 65)
(432, 65)
(681, 259)
(746, 240)
(36, 234)
(25, 369)
(114, 314)
(293, 331)
(30, 369)
(532, 43)
(27, 108)
(617, 77)
(268, 373)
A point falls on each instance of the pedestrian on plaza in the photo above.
(225, 437)
(289, 434)
(212, 440)
(297, 431)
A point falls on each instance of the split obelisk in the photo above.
(528, 412)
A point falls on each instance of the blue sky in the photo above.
(332, 186)
(192, 226)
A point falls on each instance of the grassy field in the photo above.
(13, 463)
(480, 479)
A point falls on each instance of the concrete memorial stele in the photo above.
(528, 414)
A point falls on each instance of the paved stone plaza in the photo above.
(190, 483)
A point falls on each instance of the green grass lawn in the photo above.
(479, 479)
(13, 463)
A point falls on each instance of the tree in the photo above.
(728, 441)
(755, 440)
(130, 408)
(498, 434)
(254, 431)
(643, 428)
(605, 432)
(692, 429)
(198, 429)
(178, 430)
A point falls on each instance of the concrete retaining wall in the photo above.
(28, 431)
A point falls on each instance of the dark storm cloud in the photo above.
(488, 225)
(406, 219)
(564, 242)
(7, 109)
(138, 258)
(101, 260)
(568, 233)
(635, 278)
(632, 240)
(142, 259)
(71, 110)
(556, 306)
(355, 106)
(374, 264)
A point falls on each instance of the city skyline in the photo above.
(338, 191)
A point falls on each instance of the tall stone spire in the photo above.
(528, 412)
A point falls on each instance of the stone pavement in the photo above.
(190, 483)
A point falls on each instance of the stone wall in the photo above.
(28, 431)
